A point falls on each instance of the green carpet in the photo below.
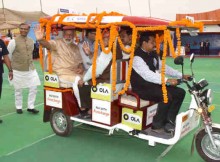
(25, 138)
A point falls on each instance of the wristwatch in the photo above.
(10, 70)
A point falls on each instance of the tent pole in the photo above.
(41, 6)
(3, 7)
(130, 7)
(149, 7)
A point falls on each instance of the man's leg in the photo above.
(31, 99)
(18, 100)
(153, 92)
(1, 80)
(178, 95)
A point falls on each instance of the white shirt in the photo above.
(155, 77)
(101, 64)
(11, 47)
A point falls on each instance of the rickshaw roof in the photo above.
(136, 20)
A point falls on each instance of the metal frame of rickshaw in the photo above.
(185, 121)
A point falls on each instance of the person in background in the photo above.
(9, 34)
(126, 38)
(146, 82)
(4, 53)
(24, 72)
(207, 45)
(36, 50)
(202, 48)
(86, 48)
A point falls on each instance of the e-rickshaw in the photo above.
(125, 110)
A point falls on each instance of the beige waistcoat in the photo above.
(22, 57)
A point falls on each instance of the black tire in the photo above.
(61, 123)
(204, 146)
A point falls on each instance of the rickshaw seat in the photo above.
(133, 101)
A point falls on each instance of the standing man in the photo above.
(146, 82)
(207, 45)
(4, 54)
(202, 47)
(25, 74)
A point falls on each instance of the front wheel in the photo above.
(204, 146)
(60, 123)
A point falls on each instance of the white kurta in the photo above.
(25, 79)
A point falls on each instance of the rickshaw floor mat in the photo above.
(162, 134)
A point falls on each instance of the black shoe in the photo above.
(169, 127)
(85, 116)
(34, 111)
(1, 121)
(19, 111)
(157, 130)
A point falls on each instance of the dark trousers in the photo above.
(202, 51)
(165, 111)
(1, 81)
(85, 96)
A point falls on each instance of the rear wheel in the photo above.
(60, 123)
(204, 145)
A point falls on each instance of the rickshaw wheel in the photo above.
(204, 146)
(61, 123)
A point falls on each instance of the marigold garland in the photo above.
(114, 67)
(178, 36)
(164, 89)
(96, 23)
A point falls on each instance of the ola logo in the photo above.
(46, 77)
(125, 116)
(94, 89)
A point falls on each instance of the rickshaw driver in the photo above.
(146, 82)
(66, 58)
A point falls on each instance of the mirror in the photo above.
(178, 60)
(192, 57)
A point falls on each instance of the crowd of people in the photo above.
(70, 61)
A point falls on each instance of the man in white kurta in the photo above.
(25, 74)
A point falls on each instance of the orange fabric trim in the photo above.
(58, 90)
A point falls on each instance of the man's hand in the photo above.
(39, 32)
(187, 77)
(10, 75)
(80, 82)
(86, 49)
(80, 69)
(172, 82)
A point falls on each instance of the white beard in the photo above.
(67, 42)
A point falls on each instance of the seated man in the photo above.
(103, 69)
(66, 58)
(86, 48)
(126, 38)
(146, 82)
